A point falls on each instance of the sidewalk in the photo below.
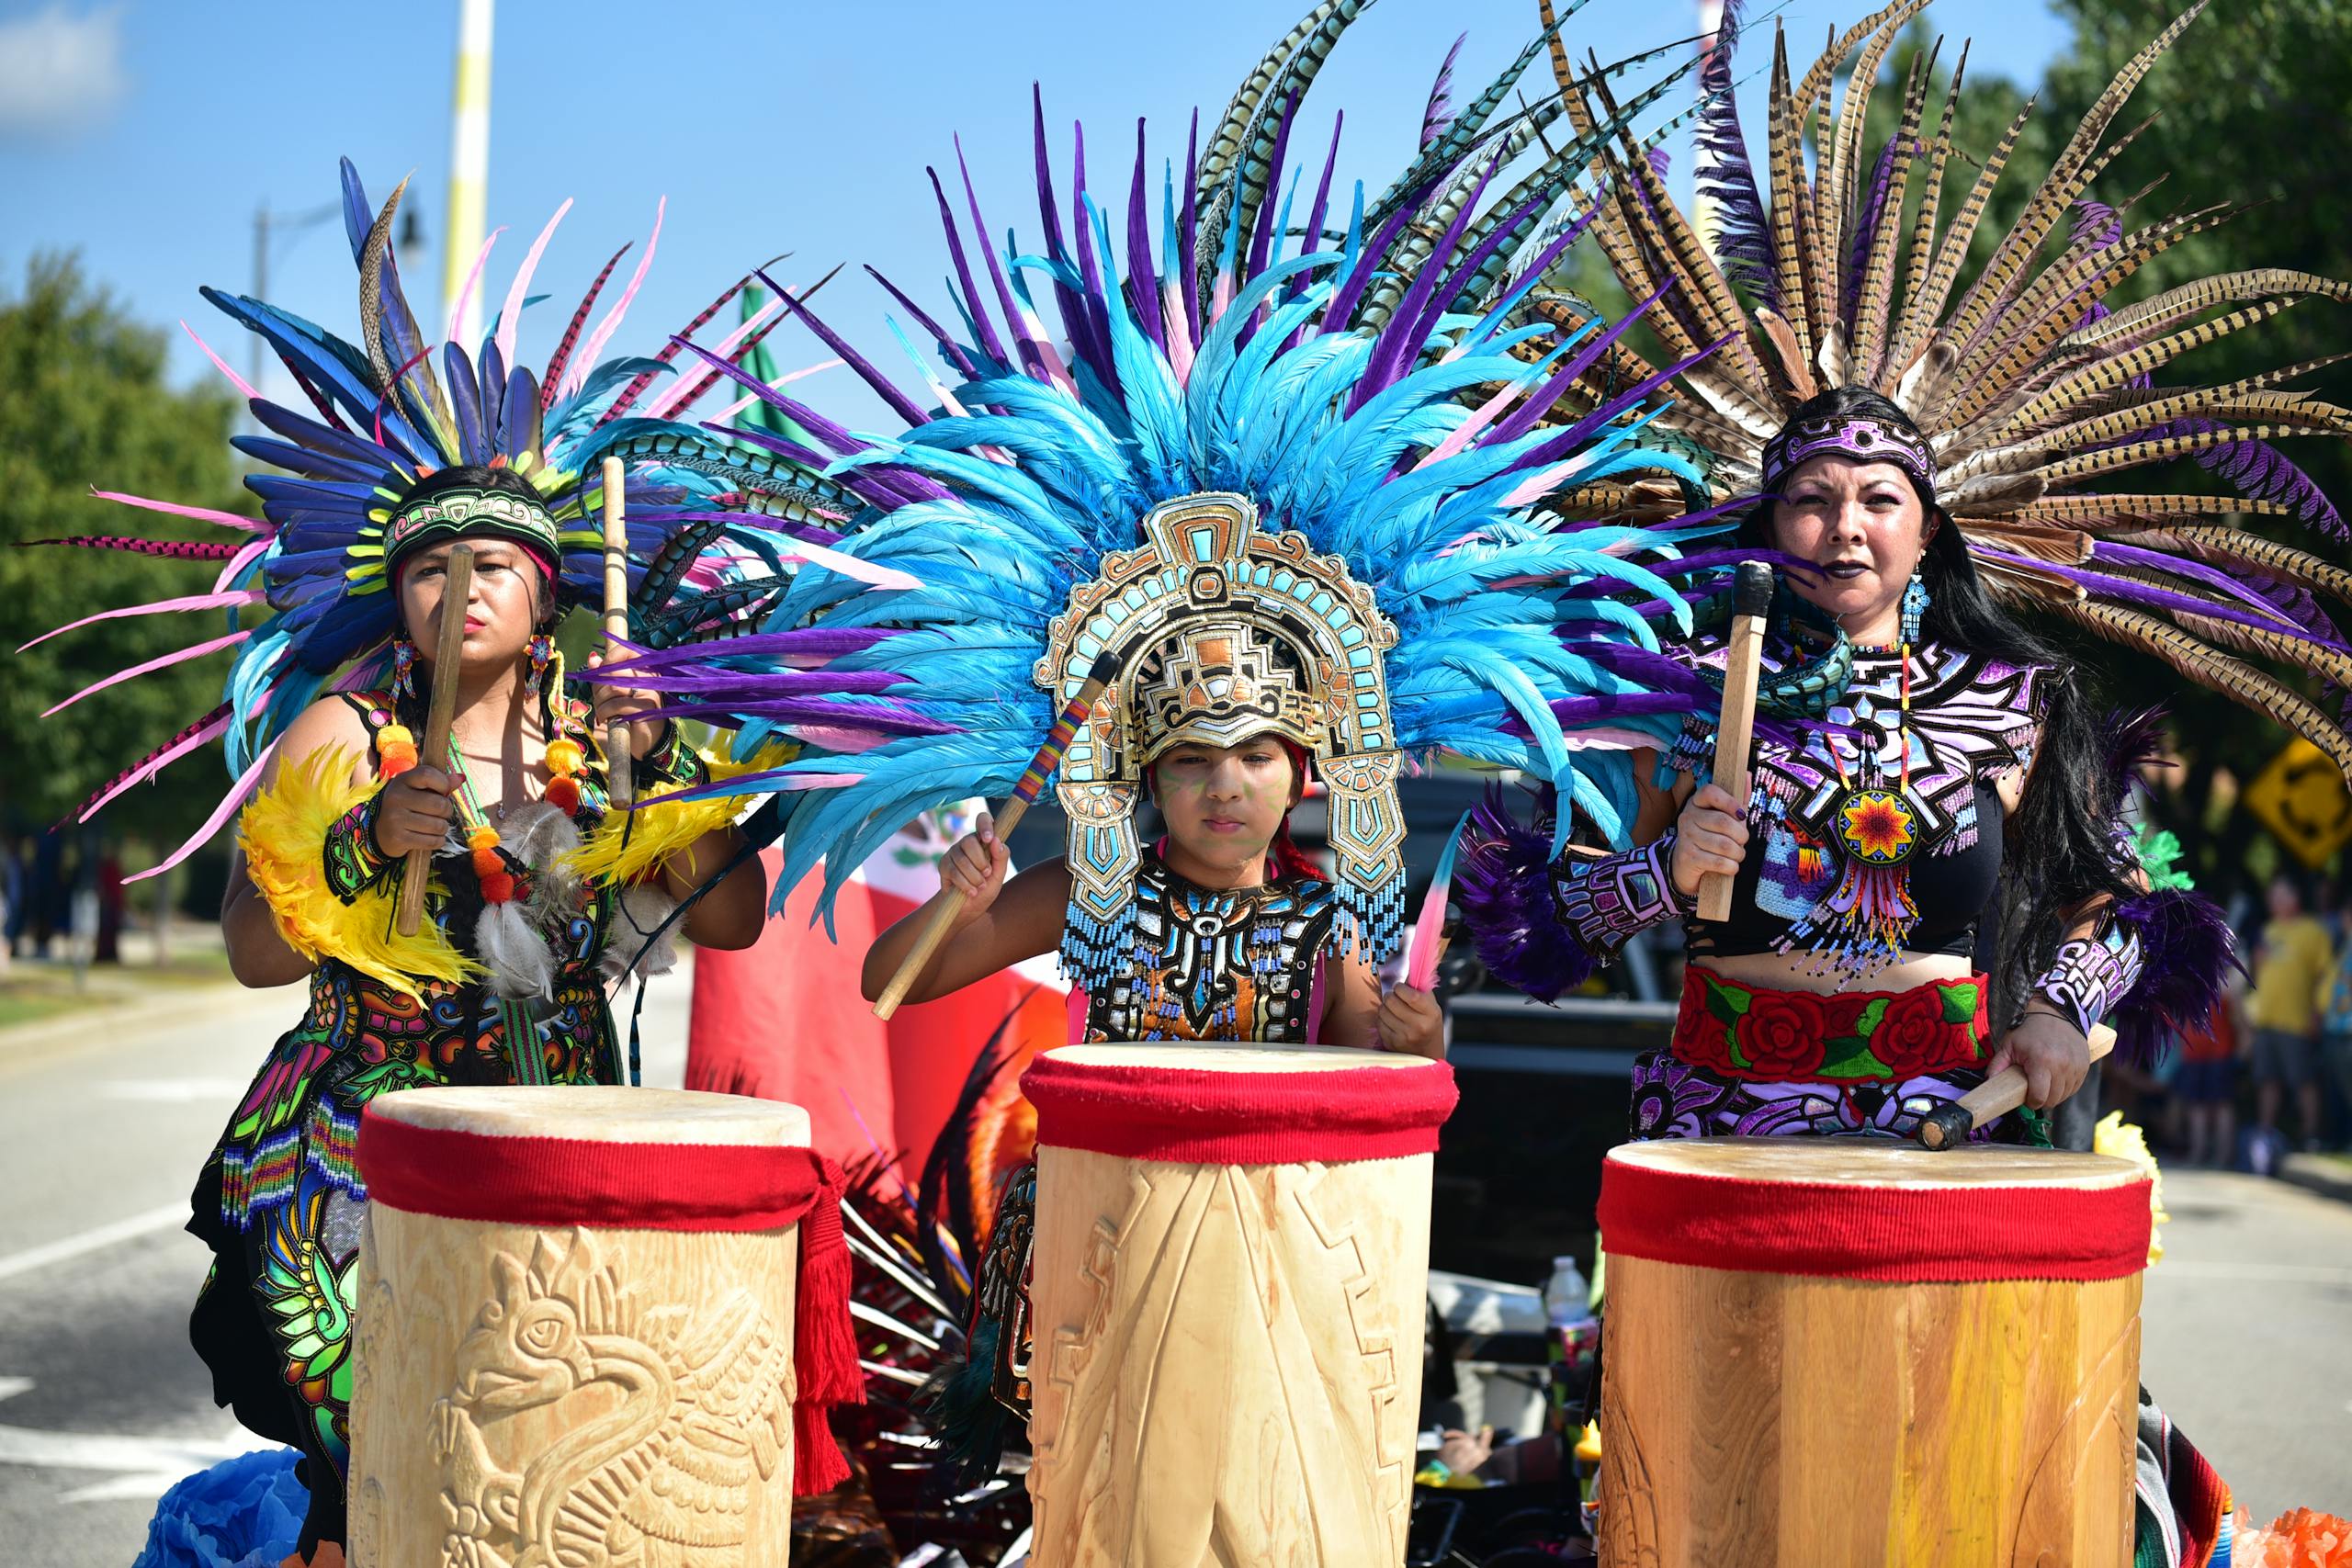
(2330, 1176)
(42, 1002)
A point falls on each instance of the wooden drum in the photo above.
(1226, 1303)
(1825, 1352)
(575, 1339)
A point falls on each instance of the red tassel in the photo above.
(498, 887)
(824, 1346)
(563, 794)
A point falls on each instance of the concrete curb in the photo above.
(2329, 1177)
(184, 1004)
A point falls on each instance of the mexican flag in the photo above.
(783, 1020)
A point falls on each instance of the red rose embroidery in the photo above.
(1914, 1038)
(1783, 1032)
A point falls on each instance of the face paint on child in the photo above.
(1224, 805)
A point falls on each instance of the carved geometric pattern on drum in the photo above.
(2115, 1424)
(661, 1478)
(1339, 1393)
(1626, 1495)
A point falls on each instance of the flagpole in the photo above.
(469, 166)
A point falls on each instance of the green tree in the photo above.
(2249, 112)
(83, 405)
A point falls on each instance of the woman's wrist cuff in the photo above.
(354, 861)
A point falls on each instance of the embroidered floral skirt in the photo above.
(1751, 1061)
(281, 1206)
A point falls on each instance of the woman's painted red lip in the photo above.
(474, 625)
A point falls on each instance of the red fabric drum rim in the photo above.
(1199, 1116)
(458, 1175)
(1848, 1231)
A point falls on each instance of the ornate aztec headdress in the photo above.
(2028, 388)
(1327, 462)
(306, 589)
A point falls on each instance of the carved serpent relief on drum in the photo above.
(1233, 1355)
(684, 1409)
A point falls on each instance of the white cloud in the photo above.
(60, 68)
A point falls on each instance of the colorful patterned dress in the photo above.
(280, 1202)
(1219, 964)
(1878, 830)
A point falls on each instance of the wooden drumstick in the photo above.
(448, 648)
(1033, 782)
(620, 774)
(1751, 603)
(1948, 1126)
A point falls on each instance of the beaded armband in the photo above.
(1604, 900)
(2092, 974)
(671, 762)
(353, 863)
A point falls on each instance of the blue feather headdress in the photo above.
(305, 590)
(1371, 414)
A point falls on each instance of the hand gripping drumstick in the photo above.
(1948, 1126)
(448, 646)
(1751, 601)
(620, 774)
(1033, 783)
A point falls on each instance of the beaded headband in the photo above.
(1858, 436)
(470, 514)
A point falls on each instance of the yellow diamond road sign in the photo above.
(2301, 798)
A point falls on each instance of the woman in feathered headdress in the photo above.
(1924, 445)
(537, 901)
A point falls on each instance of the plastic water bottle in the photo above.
(1573, 1335)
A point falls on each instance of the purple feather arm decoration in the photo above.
(2187, 951)
(2186, 948)
(1502, 882)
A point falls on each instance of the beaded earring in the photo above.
(1915, 608)
(403, 667)
(541, 649)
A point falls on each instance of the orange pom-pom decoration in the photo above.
(483, 843)
(395, 751)
(564, 756)
(498, 887)
(563, 793)
(2301, 1537)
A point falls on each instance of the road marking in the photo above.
(173, 1091)
(2292, 1273)
(144, 1468)
(137, 1225)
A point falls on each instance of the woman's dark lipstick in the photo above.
(1846, 569)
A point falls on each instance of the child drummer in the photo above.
(1233, 923)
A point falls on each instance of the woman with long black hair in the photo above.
(1881, 850)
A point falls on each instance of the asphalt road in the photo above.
(2248, 1330)
(102, 1127)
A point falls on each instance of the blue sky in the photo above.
(144, 133)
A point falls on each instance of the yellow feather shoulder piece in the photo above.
(645, 840)
(284, 835)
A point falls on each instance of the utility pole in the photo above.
(271, 227)
(468, 169)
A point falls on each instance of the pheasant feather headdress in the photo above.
(304, 586)
(2039, 400)
(1332, 417)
